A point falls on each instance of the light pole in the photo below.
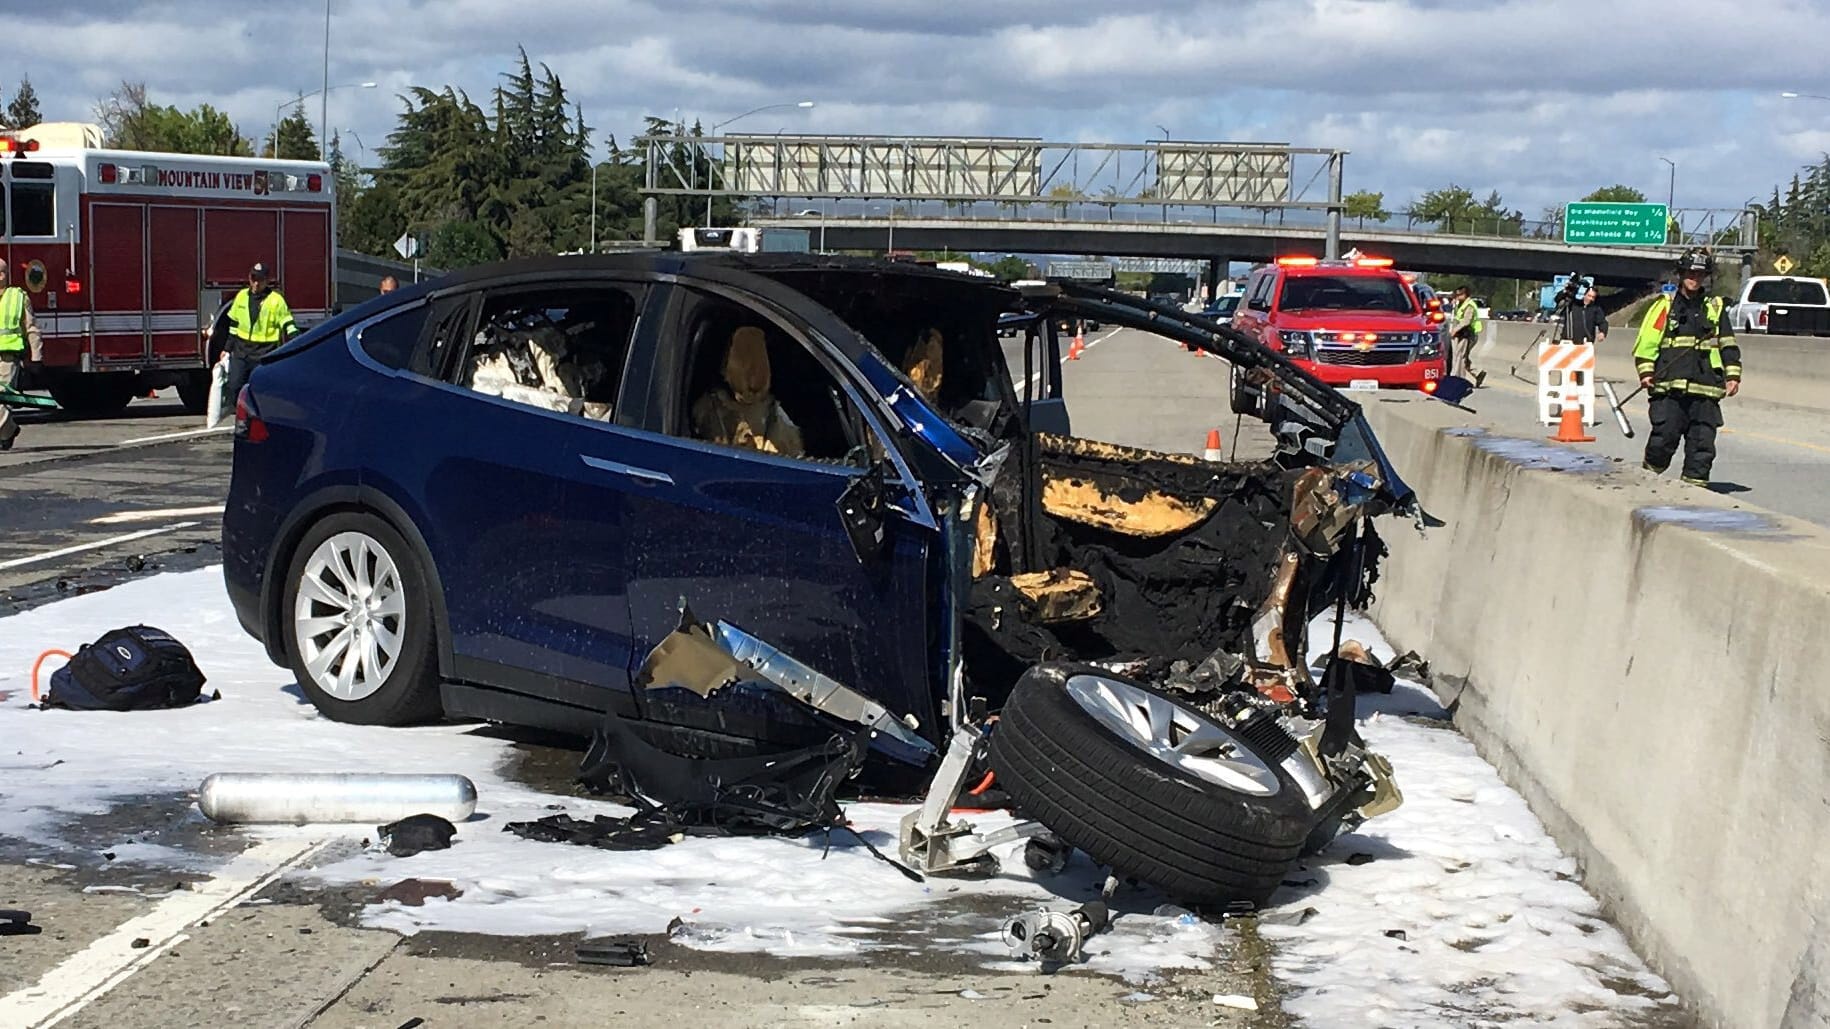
(323, 142)
(1789, 95)
(803, 104)
(323, 93)
(1671, 197)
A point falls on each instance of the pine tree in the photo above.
(293, 140)
(23, 112)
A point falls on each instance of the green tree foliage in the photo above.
(23, 111)
(1796, 222)
(1615, 194)
(130, 121)
(294, 140)
(1454, 208)
(458, 244)
(1366, 204)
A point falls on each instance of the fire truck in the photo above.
(127, 256)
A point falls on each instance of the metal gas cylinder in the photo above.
(301, 798)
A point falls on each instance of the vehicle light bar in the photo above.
(1373, 262)
(1297, 262)
(15, 146)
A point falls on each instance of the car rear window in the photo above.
(1787, 291)
(1344, 293)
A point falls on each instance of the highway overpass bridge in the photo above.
(1507, 257)
(1206, 200)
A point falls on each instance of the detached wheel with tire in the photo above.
(357, 618)
(1150, 786)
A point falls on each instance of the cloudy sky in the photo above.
(1541, 100)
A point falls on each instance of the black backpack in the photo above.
(127, 670)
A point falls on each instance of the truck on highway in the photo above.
(127, 256)
(1787, 304)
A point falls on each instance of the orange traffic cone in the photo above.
(1212, 452)
(1074, 351)
(1569, 427)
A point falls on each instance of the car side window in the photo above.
(558, 349)
(1260, 298)
(747, 383)
(392, 340)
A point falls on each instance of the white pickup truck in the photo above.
(1791, 304)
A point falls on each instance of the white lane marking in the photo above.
(174, 435)
(106, 963)
(121, 517)
(1036, 376)
(18, 562)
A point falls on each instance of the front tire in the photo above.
(1150, 786)
(357, 622)
(1241, 400)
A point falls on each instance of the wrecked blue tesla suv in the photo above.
(724, 498)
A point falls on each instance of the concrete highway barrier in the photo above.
(1792, 370)
(1646, 663)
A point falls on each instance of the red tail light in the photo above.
(73, 285)
(106, 173)
(248, 424)
(1763, 317)
(314, 183)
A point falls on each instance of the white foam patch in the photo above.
(789, 897)
(1466, 913)
(1496, 928)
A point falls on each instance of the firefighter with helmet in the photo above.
(254, 323)
(1688, 361)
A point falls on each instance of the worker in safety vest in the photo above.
(1464, 332)
(1688, 361)
(19, 343)
(255, 322)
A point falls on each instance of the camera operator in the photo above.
(1583, 321)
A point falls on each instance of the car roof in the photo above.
(712, 264)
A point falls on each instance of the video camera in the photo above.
(1572, 290)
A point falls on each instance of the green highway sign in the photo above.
(1633, 225)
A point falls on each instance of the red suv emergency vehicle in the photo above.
(128, 255)
(1355, 322)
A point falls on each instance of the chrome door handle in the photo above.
(645, 474)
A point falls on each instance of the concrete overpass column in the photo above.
(650, 213)
(1216, 269)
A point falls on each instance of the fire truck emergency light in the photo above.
(15, 146)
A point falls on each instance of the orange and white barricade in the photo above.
(1566, 379)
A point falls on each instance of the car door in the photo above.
(756, 538)
(507, 486)
(1036, 374)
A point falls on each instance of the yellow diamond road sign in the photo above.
(1783, 265)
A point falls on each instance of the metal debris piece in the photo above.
(624, 953)
(1053, 936)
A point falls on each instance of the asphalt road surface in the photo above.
(90, 502)
(1774, 451)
